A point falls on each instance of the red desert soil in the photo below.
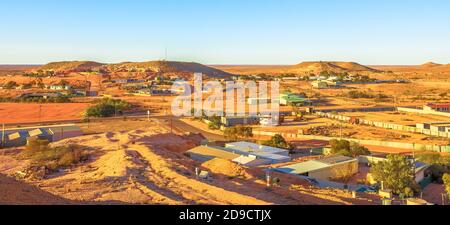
(26, 113)
(147, 166)
(14, 192)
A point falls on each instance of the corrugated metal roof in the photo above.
(35, 132)
(334, 159)
(301, 168)
(254, 148)
(14, 136)
(214, 152)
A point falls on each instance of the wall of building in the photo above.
(336, 171)
(384, 125)
(402, 145)
(421, 111)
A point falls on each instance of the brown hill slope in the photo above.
(336, 67)
(65, 66)
(13, 192)
(430, 65)
(169, 67)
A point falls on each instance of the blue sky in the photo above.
(225, 31)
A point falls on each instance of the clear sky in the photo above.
(225, 31)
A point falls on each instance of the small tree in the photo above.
(278, 141)
(347, 148)
(397, 174)
(446, 179)
(237, 132)
(10, 85)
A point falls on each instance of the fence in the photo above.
(421, 111)
(384, 125)
(401, 145)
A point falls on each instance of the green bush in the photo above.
(346, 148)
(397, 174)
(107, 107)
(41, 154)
(278, 141)
(446, 179)
(237, 132)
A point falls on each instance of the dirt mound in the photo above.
(168, 67)
(13, 192)
(225, 167)
(65, 66)
(430, 65)
(336, 67)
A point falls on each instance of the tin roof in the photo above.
(216, 152)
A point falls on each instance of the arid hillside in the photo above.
(336, 67)
(13, 192)
(133, 68)
(430, 70)
(148, 166)
(301, 68)
(168, 67)
(66, 66)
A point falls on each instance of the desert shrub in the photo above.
(10, 85)
(440, 164)
(446, 179)
(237, 132)
(278, 141)
(59, 99)
(37, 145)
(347, 148)
(363, 94)
(215, 122)
(53, 158)
(107, 107)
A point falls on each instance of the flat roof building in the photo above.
(275, 155)
(324, 169)
(206, 153)
(440, 107)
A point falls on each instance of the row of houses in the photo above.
(244, 153)
(438, 129)
(16, 137)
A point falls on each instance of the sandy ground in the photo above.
(399, 117)
(433, 193)
(147, 166)
(24, 112)
(13, 192)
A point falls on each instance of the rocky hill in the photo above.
(66, 66)
(168, 67)
(336, 67)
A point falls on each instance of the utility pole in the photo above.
(3, 136)
(171, 124)
(40, 114)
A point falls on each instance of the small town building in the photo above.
(323, 169)
(439, 107)
(256, 101)
(16, 137)
(272, 154)
(251, 161)
(229, 121)
(293, 99)
(205, 153)
(270, 121)
(319, 84)
(60, 87)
